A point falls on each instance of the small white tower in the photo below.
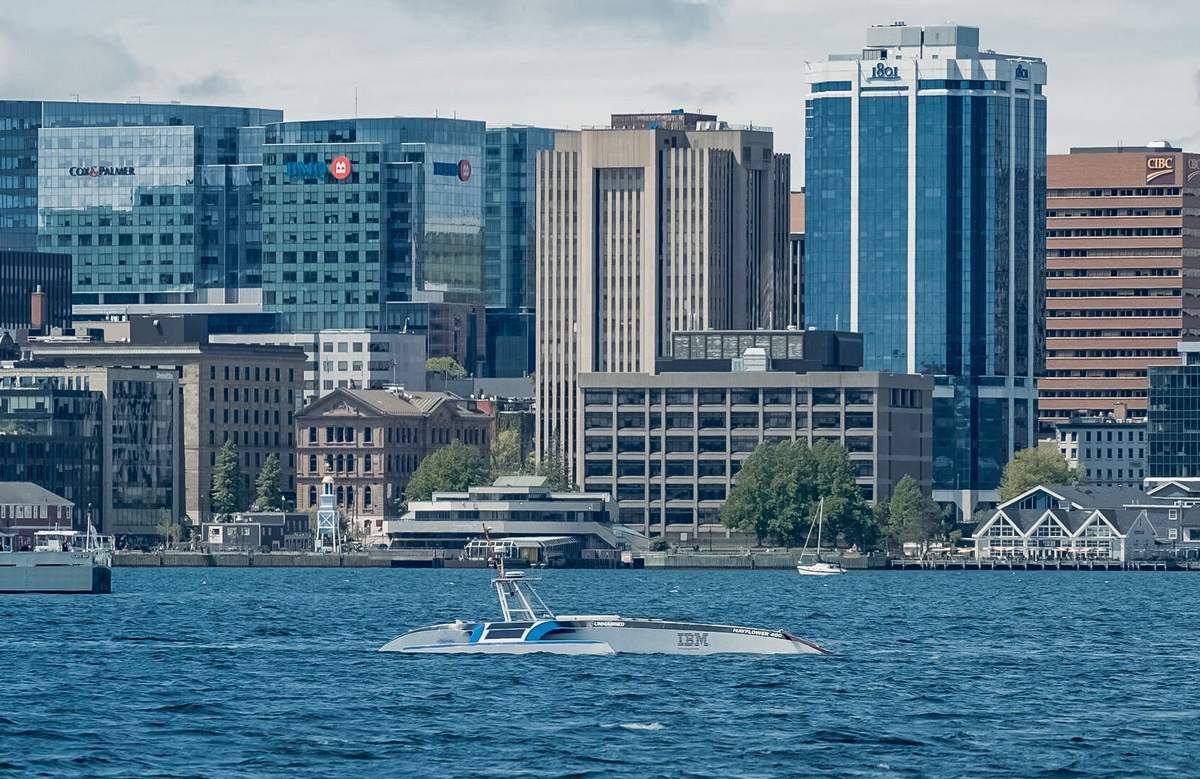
(327, 518)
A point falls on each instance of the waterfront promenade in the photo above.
(748, 560)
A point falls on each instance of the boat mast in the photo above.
(820, 524)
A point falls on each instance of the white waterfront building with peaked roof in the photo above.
(1102, 523)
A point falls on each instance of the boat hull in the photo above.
(53, 572)
(600, 635)
(819, 569)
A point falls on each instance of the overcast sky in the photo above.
(1118, 71)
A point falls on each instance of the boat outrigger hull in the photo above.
(599, 635)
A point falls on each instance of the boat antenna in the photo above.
(491, 547)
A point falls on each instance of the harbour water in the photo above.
(272, 672)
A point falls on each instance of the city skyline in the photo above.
(575, 62)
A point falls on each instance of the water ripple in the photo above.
(229, 673)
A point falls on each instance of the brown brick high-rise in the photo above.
(1122, 254)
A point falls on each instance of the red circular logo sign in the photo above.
(339, 167)
(464, 170)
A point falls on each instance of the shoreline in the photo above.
(766, 561)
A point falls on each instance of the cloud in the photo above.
(676, 20)
(706, 97)
(671, 19)
(55, 63)
(217, 84)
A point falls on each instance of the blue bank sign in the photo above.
(461, 169)
(1022, 73)
(305, 169)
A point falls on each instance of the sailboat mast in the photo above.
(820, 523)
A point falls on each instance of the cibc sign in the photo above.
(1160, 169)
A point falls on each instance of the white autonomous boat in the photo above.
(530, 626)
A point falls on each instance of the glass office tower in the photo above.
(120, 186)
(509, 181)
(372, 223)
(20, 121)
(925, 174)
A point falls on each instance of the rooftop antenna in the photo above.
(356, 102)
(76, 96)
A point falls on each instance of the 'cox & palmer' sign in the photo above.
(884, 72)
(99, 170)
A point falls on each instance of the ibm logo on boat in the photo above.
(692, 639)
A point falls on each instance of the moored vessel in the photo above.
(59, 561)
(818, 567)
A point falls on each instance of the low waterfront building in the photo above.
(668, 445)
(247, 394)
(371, 441)
(1102, 523)
(107, 439)
(523, 516)
(260, 531)
(26, 508)
(1107, 450)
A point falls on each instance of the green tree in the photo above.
(451, 468)
(779, 490)
(912, 516)
(447, 367)
(506, 453)
(554, 467)
(170, 532)
(227, 481)
(267, 496)
(1032, 468)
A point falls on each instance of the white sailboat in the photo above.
(819, 567)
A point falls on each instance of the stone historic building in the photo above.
(371, 441)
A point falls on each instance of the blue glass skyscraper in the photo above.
(925, 173)
(509, 179)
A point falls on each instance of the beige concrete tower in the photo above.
(644, 231)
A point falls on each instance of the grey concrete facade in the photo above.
(1110, 451)
(669, 446)
(351, 359)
